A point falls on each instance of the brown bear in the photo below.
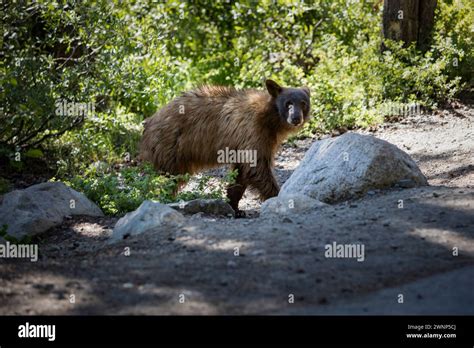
(213, 126)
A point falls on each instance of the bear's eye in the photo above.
(304, 105)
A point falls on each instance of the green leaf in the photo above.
(34, 153)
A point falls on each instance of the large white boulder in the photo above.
(347, 166)
(39, 207)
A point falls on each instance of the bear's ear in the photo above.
(306, 90)
(273, 88)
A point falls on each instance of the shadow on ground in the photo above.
(277, 258)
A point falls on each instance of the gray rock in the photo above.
(290, 204)
(348, 166)
(406, 183)
(36, 209)
(149, 215)
(207, 206)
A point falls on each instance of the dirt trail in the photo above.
(278, 259)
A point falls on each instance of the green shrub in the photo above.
(119, 191)
(130, 58)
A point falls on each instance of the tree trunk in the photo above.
(427, 16)
(409, 21)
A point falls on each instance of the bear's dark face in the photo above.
(293, 104)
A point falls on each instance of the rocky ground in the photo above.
(259, 265)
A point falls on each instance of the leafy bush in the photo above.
(109, 137)
(129, 58)
(119, 191)
(96, 53)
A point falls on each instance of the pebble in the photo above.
(323, 300)
(257, 252)
(406, 183)
(44, 287)
(60, 295)
(231, 264)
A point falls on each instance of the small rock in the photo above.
(257, 252)
(150, 215)
(323, 300)
(74, 284)
(290, 204)
(231, 264)
(54, 248)
(197, 216)
(215, 207)
(44, 288)
(60, 295)
(406, 183)
(73, 246)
